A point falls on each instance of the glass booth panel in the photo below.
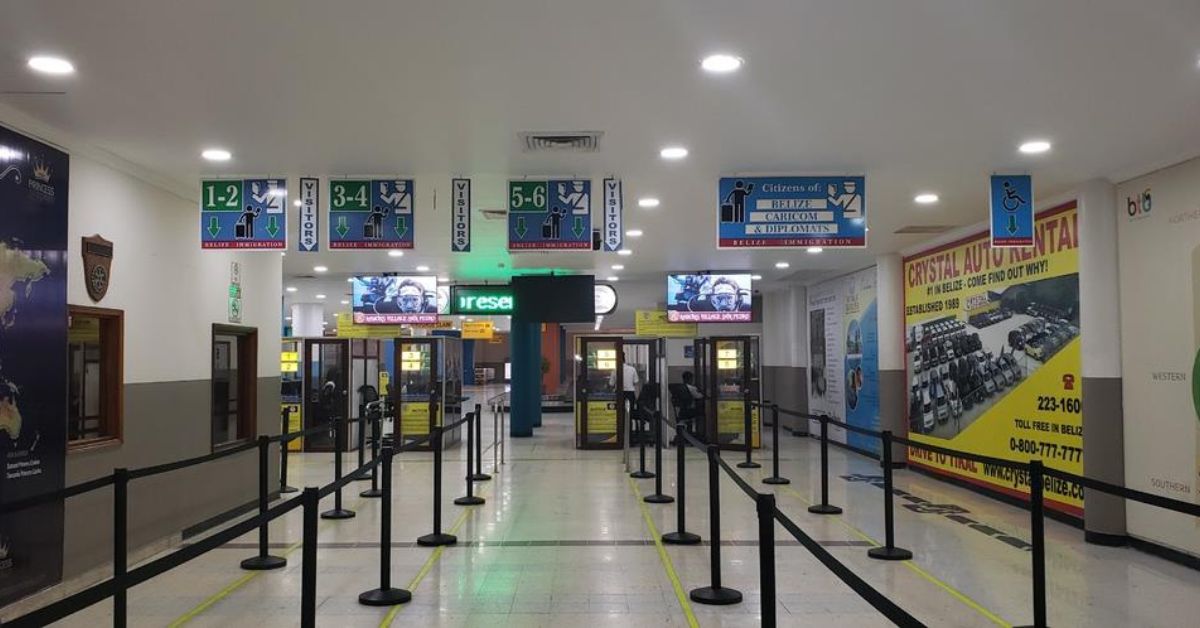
(597, 417)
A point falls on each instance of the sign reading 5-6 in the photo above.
(550, 215)
(243, 214)
(371, 214)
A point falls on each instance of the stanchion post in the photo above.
(495, 439)
(386, 594)
(283, 454)
(478, 475)
(715, 594)
(120, 541)
(376, 435)
(264, 560)
(339, 443)
(824, 508)
(437, 538)
(749, 462)
(308, 573)
(1037, 530)
(889, 551)
(680, 536)
(658, 497)
(765, 504)
(362, 439)
(775, 477)
(470, 499)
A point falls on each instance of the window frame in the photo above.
(247, 382)
(112, 377)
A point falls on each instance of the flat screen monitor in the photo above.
(394, 300)
(710, 298)
(555, 298)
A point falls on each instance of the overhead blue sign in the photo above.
(371, 214)
(550, 215)
(1012, 210)
(788, 212)
(243, 214)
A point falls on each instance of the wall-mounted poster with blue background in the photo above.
(788, 212)
(33, 359)
(371, 214)
(249, 214)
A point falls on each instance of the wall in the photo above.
(784, 357)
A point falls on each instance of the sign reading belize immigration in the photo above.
(550, 215)
(787, 212)
(993, 358)
(371, 214)
(243, 214)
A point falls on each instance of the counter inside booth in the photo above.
(425, 386)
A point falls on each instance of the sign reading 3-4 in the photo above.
(788, 212)
(371, 214)
(243, 214)
(550, 215)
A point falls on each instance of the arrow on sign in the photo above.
(401, 226)
(272, 226)
(342, 227)
(578, 226)
(1012, 225)
(521, 230)
(214, 226)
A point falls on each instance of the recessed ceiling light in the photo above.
(673, 152)
(815, 249)
(443, 280)
(395, 253)
(350, 279)
(296, 202)
(320, 296)
(926, 198)
(290, 288)
(287, 318)
(57, 66)
(721, 63)
(634, 233)
(613, 278)
(618, 267)
(345, 302)
(216, 154)
(422, 269)
(648, 201)
(782, 264)
(755, 277)
(320, 269)
(625, 252)
(1034, 147)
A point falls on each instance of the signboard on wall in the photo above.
(371, 214)
(1012, 210)
(33, 380)
(478, 330)
(550, 215)
(790, 212)
(993, 360)
(654, 323)
(844, 371)
(248, 214)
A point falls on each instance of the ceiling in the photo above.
(921, 95)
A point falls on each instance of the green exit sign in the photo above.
(481, 300)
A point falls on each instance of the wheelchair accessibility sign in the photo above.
(550, 215)
(788, 212)
(249, 214)
(371, 214)
(1012, 210)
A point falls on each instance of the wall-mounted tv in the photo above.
(710, 298)
(394, 300)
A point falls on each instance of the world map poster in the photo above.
(33, 369)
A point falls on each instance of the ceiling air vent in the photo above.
(572, 142)
(494, 214)
(924, 229)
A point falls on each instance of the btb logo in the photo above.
(1138, 206)
(1068, 382)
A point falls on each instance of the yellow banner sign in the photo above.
(347, 329)
(478, 330)
(654, 323)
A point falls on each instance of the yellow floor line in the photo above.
(666, 559)
(915, 568)
(431, 561)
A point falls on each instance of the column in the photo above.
(526, 397)
(307, 319)
(889, 318)
(784, 352)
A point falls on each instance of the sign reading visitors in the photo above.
(1012, 210)
(614, 234)
(310, 221)
(243, 214)
(371, 214)
(460, 215)
(550, 215)
(788, 212)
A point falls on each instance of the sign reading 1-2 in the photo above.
(371, 214)
(550, 215)
(243, 214)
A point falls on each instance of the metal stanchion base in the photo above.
(681, 538)
(775, 479)
(337, 513)
(435, 540)
(658, 498)
(470, 500)
(716, 596)
(384, 597)
(371, 492)
(480, 477)
(288, 489)
(641, 475)
(264, 563)
(824, 509)
(889, 553)
(749, 465)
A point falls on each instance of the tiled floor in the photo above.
(565, 540)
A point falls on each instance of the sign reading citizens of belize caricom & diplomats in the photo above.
(788, 212)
